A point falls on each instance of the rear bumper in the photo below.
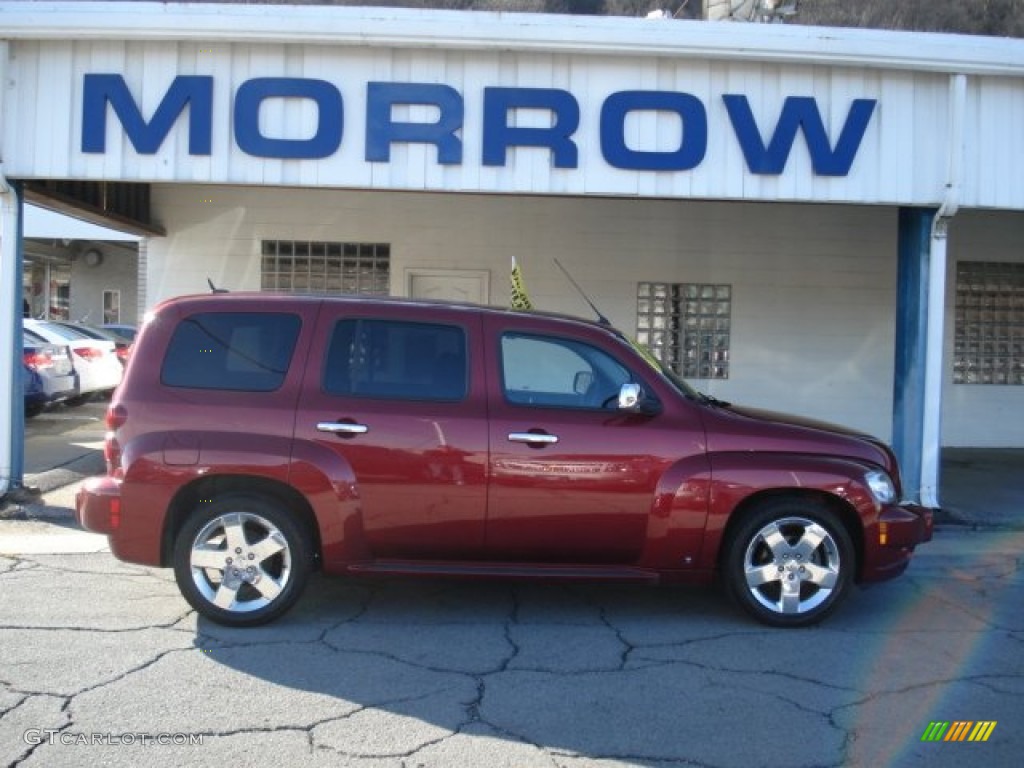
(889, 543)
(60, 388)
(135, 537)
(98, 505)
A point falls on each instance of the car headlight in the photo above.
(882, 486)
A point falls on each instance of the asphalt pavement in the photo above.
(103, 663)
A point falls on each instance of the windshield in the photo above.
(679, 383)
(673, 378)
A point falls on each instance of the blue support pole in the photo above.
(11, 385)
(18, 390)
(910, 376)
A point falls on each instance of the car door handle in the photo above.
(536, 438)
(342, 428)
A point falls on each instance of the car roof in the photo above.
(86, 330)
(223, 300)
(55, 327)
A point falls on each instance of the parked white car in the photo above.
(95, 360)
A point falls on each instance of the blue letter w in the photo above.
(799, 113)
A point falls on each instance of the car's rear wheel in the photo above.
(242, 560)
(789, 563)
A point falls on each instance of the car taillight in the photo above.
(38, 360)
(123, 353)
(115, 513)
(115, 419)
(89, 353)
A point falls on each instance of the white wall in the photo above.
(118, 272)
(813, 286)
(981, 414)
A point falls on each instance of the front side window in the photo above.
(237, 351)
(555, 372)
(396, 360)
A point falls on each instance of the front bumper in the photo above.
(906, 525)
(889, 543)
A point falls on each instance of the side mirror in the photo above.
(633, 399)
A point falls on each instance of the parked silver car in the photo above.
(95, 360)
(122, 345)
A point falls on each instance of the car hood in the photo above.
(743, 429)
(789, 419)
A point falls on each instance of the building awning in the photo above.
(52, 225)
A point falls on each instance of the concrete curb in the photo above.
(57, 488)
(67, 474)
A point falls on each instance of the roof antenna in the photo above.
(214, 288)
(600, 318)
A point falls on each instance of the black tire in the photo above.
(242, 560)
(789, 562)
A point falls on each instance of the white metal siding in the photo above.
(902, 159)
(994, 149)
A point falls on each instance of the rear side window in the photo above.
(401, 360)
(238, 351)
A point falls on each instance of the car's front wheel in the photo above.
(242, 560)
(789, 563)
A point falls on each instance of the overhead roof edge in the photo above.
(480, 30)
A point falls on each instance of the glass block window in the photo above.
(686, 326)
(302, 266)
(988, 341)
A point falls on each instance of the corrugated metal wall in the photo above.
(902, 159)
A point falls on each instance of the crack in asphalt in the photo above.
(872, 697)
(122, 571)
(31, 748)
(5, 710)
(310, 727)
(627, 647)
(20, 565)
(100, 630)
(103, 683)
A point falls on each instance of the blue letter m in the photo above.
(799, 113)
(194, 91)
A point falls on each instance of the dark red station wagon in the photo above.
(256, 437)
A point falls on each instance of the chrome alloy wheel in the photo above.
(240, 562)
(792, 565)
